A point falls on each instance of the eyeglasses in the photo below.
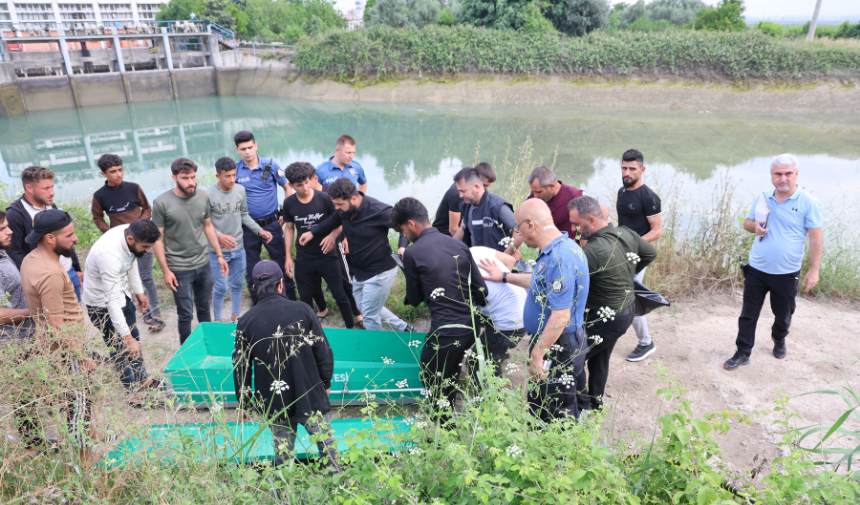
(517, 227)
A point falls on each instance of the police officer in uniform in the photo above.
(261, 178)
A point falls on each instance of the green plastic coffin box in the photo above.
(245, 442)
(380, 366)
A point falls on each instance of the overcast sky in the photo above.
(773, 9)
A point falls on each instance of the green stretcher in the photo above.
(201, 371)
(244, 442)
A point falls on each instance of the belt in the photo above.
(271, 218)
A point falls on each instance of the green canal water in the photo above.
(414, 149)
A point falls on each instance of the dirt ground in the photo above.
(693, 340)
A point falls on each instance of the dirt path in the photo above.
(693, 340)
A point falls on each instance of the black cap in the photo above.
(48, 221)
(266, 272)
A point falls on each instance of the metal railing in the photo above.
(264, 48)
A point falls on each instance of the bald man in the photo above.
(554, 311)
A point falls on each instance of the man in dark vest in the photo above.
(487, 219)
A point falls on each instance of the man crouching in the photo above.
(293, 365)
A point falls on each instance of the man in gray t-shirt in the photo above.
(182, 217)
(15, 319)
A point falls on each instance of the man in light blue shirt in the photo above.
(776, 257)
(342, 165)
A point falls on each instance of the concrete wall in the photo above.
(195, 82)
(150, 86)
(45, 93)
(99, 89)
(11, 102)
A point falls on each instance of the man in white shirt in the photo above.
(503, 315)
(110, 278)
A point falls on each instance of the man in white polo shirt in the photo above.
(777, 255)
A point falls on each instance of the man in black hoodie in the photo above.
(292, 365)
(38, 195)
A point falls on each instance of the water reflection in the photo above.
(413, 149)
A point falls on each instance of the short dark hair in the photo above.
(406, 209)
(182, 166)
(242, 137)
(633, 155)
(34, 174)
(300, 171)
(143, 230)
(342, 189)
(224, 164)
(469, 175)
(2, 215)
(486, 171)
(586, 206)
(108, 161)
(266, 289)
(344, 140)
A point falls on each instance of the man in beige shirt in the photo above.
(60, 327)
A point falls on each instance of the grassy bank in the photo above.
(452, 50)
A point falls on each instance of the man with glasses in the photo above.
(487, 219)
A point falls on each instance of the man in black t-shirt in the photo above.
(316, 259)
(447, 219)
(639, 209)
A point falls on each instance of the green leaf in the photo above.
(683, 435)
(706, 495)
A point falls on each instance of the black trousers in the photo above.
(440, 366)
(555, 397)
(590, 390)
(131, 371)
(319, 296)
(310, 272)
(783, 300)
(497, 344)
(277, 252)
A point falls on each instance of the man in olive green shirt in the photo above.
(615, 255)
(182, 217)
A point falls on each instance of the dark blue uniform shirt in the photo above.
(328, 172)
(262, 194)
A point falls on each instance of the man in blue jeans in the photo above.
(228, 207)
(183, 218)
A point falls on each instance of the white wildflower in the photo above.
(414, 343)
(425, 392)
(387, 361)
(278, 387)
(514, 451)
(402, 384)
(421, 424)
(633, 257)
(606, 313)
(567, 380)
(506, 242)
(409, 421)
(531, 262)
(217, 407)
(443, 404)
(477, 399)
(556, 347)
(415, 451)
(437, 293)
(512, 368)
(597, 339)
(470, 354)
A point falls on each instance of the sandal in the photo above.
(153, 384)
(155, 325)
(322, 318)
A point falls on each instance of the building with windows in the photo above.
(21, 13)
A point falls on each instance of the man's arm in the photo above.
(145, 208)
(461, 231)
(16, 247)
(453, 222)
(656, 223)
(158, 250)
(50, 291)
(363, 188)
(414, 290)
(115, 297)
(289, 236)
(99, 215)
(212, 236)
(816, 250)
(753, 226)
(646, 252)
(494, 273)
(558, 320)
(324, 228)
(288, 190)
(14, 316)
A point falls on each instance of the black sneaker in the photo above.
(737, 360)
(779, 349)
(641, 352)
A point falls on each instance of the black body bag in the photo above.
(647, 300)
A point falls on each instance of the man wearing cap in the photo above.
(292, 365)
(261, 177)
(60, 326)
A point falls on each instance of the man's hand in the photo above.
(170, 280)
(81, 277)
(88, 365)
(494, 273)
(327, 391)
(810, 281)
(327, 244)
(345, 246)
(400, 251)
(132, 347)
(306, 237)
(288, 267)
(225, 268)
(227, 241)
(265, 235)
(536, 365)
(142, 302)
(760, 230)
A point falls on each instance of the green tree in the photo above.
(727, 16)
(535, 22)
(501, 14)
(217, 12)
(677, 12)
(404, 13)
(313, 26)
(180, 9)
(578, 17)
(847, 30)
(770, 28)
(446, 18)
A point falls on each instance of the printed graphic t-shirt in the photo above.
(305, 216)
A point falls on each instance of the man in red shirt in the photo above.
(556, 194)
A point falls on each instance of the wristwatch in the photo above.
(505, 277)
(220, 256)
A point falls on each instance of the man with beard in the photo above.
(615, 256)
(440, 272)
(60, 329)
(487, 219)
(183, 219)
(15, 321)
(365, 222)
(447, 219)
(38, 195)
(111, 278)
(639, 209)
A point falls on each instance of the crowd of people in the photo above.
(573, 302)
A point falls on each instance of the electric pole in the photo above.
(811, 35)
